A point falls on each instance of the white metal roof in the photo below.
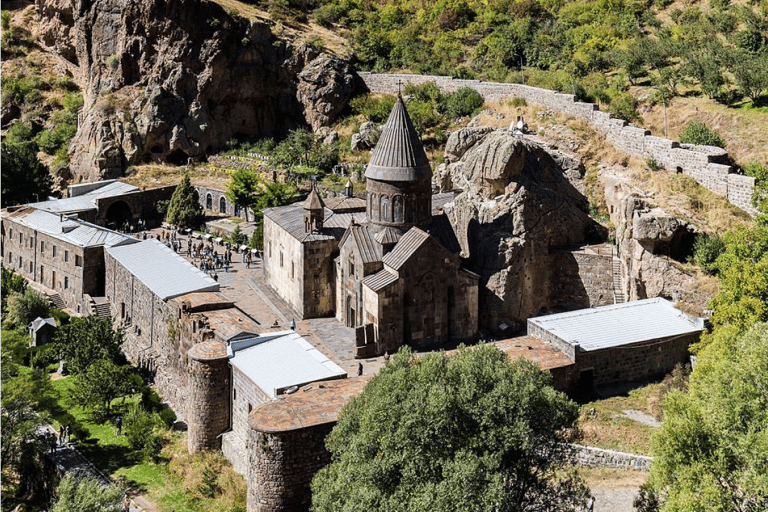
(85, 201)
(163, 271)
(279, 360)
(76, 232)
(619, 324)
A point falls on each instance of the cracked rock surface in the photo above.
(521, 198)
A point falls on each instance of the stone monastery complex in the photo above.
(362, 277)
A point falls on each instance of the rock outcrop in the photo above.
(520, 200)
(650, 243)
(169, 80)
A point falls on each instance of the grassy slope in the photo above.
(171, 482)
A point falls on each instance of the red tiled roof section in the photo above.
(208, 351)
(316, 404)
(207, 299)
(535, 350)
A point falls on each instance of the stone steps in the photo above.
(56, 301)
(618, 293)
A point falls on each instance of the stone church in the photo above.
(392, 271)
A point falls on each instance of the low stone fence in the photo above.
(707, 165)
(602, 458)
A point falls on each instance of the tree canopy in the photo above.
(466, 431)
(86, 340)
(711, 448)
(24, 178)
(243, 189)
(184, 209)
(84, 494)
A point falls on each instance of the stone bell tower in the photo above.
(399, 177)
(314, 212)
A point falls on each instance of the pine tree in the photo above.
(185, 210)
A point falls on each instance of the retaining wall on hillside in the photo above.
(707, 165)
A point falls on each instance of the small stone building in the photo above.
(394, 273)
(268, 367)
(41, 331)
(620, 343)
(62, 255)
(110, 203)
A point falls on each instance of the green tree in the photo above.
(142, 429)
(25, 307)
(86, 340)
(185, 210)
(760, 193)
(710, 450)
(101, 383)
(77, 493)
(24, 178)
(696, 132)
(27, 397)
(11, 283)
(468, 431)
(243, 189)
(463, 102)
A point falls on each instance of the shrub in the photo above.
(5, 20)
(653, 165)
(19, 133)
(706, 249)
(518, 102)
(140, 428)
(624, 106)
(463, 102)
(168, 417)
(51, 141)
(696, 132)
(376, 110)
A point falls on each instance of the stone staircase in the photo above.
(100, 307)
(618, 292)
(56, 300)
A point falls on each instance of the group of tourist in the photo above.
(65, 434)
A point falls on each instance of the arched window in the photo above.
(209, 201)
(237, 211)
(397, 207)
(222, 205)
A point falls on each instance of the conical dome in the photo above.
(313, 201)
(399, 155)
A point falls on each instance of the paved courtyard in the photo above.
(248, 288)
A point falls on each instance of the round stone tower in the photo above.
(399, 178)
(208, 394)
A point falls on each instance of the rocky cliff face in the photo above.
(169, 80)
(521, 198)
(650, 242)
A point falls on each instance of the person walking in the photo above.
(359, 369)
(68, 433)
(119, 425)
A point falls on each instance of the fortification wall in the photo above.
(208, 395)
(708, 166)
(281, 466)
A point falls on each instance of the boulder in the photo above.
(365, 138)
(516, 206)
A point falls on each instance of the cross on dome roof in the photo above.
(399, 155)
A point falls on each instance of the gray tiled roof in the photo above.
(619, 324)
(380, 280)
(163, 271)
(276, 361)
(313, 201)
(387, 236)
(405, 248)
(364, 239)
(291, 218)
(74, 231)
(86, 201)
(440, 200)
(398, 155)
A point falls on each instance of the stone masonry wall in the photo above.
(583, 280)
(21, 248)
(704, 164)
(147, 341)
(281, 467)
(636, 362)
(539, 332)
(245, 396)
(208, 403)
(601, 458)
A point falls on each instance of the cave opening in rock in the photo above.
(177, 157)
